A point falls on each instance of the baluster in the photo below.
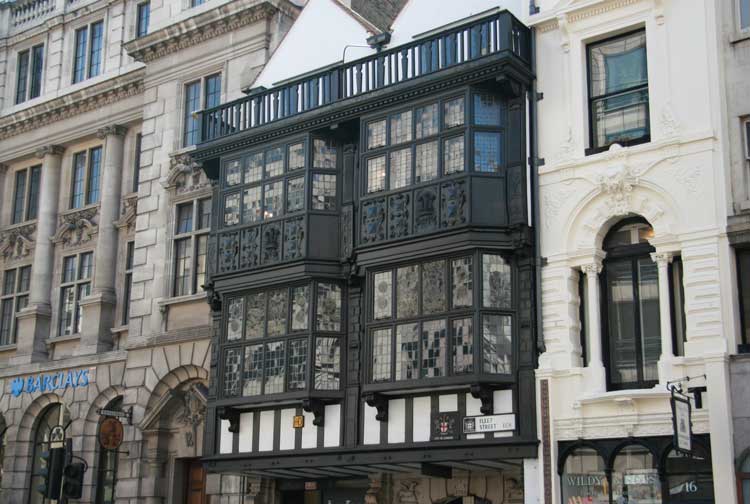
(404, 65)
(336, 83)
(380, 72)
(505, 33)
(435, 53)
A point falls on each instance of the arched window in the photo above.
(634, 477)
(690, 479)
(632, 336)
(584, 478)
(743, 477)
(106, 472)
(55, 414)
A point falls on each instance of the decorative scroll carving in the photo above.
(373, 221)
(618, 183)
(52, 150)
(399, 216)
(271, 243)
(380, 403)
(453, 204)
(425, 210)
(228, 252)
(250, 248)
(18, 242)
(483, 393)
(77, 228)
(294, 238)
(317, 408)
(408, 492)
(113, 129)
(185, 175)
(128, 213)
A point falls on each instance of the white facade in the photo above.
(677, 181)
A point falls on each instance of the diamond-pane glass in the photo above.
(277, 311)
(453, 155)
(400, 168)
(401, 127)
(235, 311)
(426, 162)
(253, 373)
(255, 316)
(233, 175)
(486, 110)
(329, 307)
(327, 363)
(463, 346)
(407, 291)
(454, 113)
(427, 121)
(381, 355)
(462, 282)
(383, 302)
(433, 287)
(275, 366)
(497, 343)
(297, 364)
(300, 308)
(496, 282)
(434, 349)
(376, 134)
(376, 174)
(407, 352)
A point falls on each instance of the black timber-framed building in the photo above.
(371, 266)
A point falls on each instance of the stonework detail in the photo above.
(17, 243)
(229, 245)
(399, 216)
(373, 221)
(128, 213)
(250, 248)
(617, 184)
(425, 210)
(271, 243)
(453, 204)
(185, 175)
(77, 228)
(294, 239)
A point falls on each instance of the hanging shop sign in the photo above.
(445, 426)
(110, 433)
(298, 422)
(489, 423)
(49, 382)
(681, 424)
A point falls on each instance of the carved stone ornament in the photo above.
(51, 150)
(192, 413)
(407, 494)
(128, 213)
(77, 228)
(17, 243)
(113, 129)
(185, 175)
(617, 183)
(233, 415)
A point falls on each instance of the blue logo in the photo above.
(50, 382)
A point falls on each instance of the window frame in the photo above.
(476, 313)
(33, 82)
(194, 236)
(743, 298)
(88, 52)
(203, 97)
(76, 284)
(739, 5)
(30, 200)
(137, 162)
(127, 281)
(142, 17)
(593, 148)
(87, 178)
(16, 298)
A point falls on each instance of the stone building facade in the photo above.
(101, 235)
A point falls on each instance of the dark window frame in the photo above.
(196, 235)
(29, 73)
(137, 162)
(743, 299)
(84, 67)
(102, 468)
(593, 147)
(143, 17)
(128, 281)
(677, 306)
(17, 299)
(29, 200)
(191, 129)
(91, 183)
(77, 284)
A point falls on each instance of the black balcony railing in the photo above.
(499, 33)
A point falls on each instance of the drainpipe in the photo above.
(535, 164)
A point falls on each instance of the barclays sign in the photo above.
(49, 382)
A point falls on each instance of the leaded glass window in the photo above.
(496, 344)
(487, 110)
(254, 168)
(324, 154)
(232, 359)
(383, 295)
(301, 308)
(324, 192)
(453, 155)
(407, 351)
(234, 319)
(274, 162)
(381, 355)
(433, 287)
(329, 307)
(453, 113)
(463, 345)
(275, 364)
(426, 120)
(376, 174)
(233, 174)
(255, 316)
(496, 281)
(400, 175)
(296, 156)
(297, 364)
(272, 200)
(277, 312)
(426, 167)
(295, 194)
(434, 349)
(401, 127)
(376, 134)
(407, 295)
(253, 370)
(487, 152)
(327, 363)
(462, 282)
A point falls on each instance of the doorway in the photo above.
(195, 482)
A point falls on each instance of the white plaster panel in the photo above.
(246, 432)
(448, 403)
(397, 421)
(309, 431)
(421, 419)
(265, 434)
(286, 429)
(371, 425)
(502, 401)
(332, 426)
(225, 440)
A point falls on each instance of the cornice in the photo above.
(114, 130)
(577, 10)
(49, 150)
(76, 103)
(205, 26)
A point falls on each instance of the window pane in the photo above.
(95, 56)
(324, 192)
(79, 63)
(400, 168)
(84, 290)
(273, 200)
(20, 196)
(24, 279)
(401, 127)
(486, 110)
(69, 269)
(204, 213)
(275, 367)
(79, 175)
(427, 121)
(277, 312)
(22, 77)
(584, 479)
(463, 346)
(327, 363)
(87, 266)
(497, 344)
(433, 287)
(253, 370)
(382, 293)
(192, 103)
(295, 194)
(453, 112)
(297, 364)
(300, 308)
(434, 349)
(252, 207)
(381, 355)
(183, 267)
(274, 162)
(33, 205)
(235, 310)
(376, 134)
(407, 351)
(496, 282)
(621, 118)
(232, 209)
(462, 282)
(487, 152)
(255, 318)
(329, 307)
(6, 322)
(744, 24)
(375, 174)
(144, 14)
(648, 297)
(621, 318)
(213, 91)
(67, 310)
(633, 476)
(618, 64)
(232, 173)
(9, 282)
(37, 67)
(95, 165)
(184, 218)
(453, 155)
(407, 291)
(427, 162)
(232, 359)
(743, 284)
(254, 168)
(324, 154)
(296, 155)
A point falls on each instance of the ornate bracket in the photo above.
(77, 228)
(316, 407)
(509, 87)
(483, 393)
(18, 242)
(185, 175)
(379, 402)
(233, 415)
(214, 298)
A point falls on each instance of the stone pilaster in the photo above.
(596, 380)
(99, 307)
(662, 260)
(34, 321)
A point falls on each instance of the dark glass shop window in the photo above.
(584, 478)
(635, 477)
(677, 306)
(618, 91)
(743, 285)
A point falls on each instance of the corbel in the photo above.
(233, 415)
(483, 392)
(379, 402)
(316, 407)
